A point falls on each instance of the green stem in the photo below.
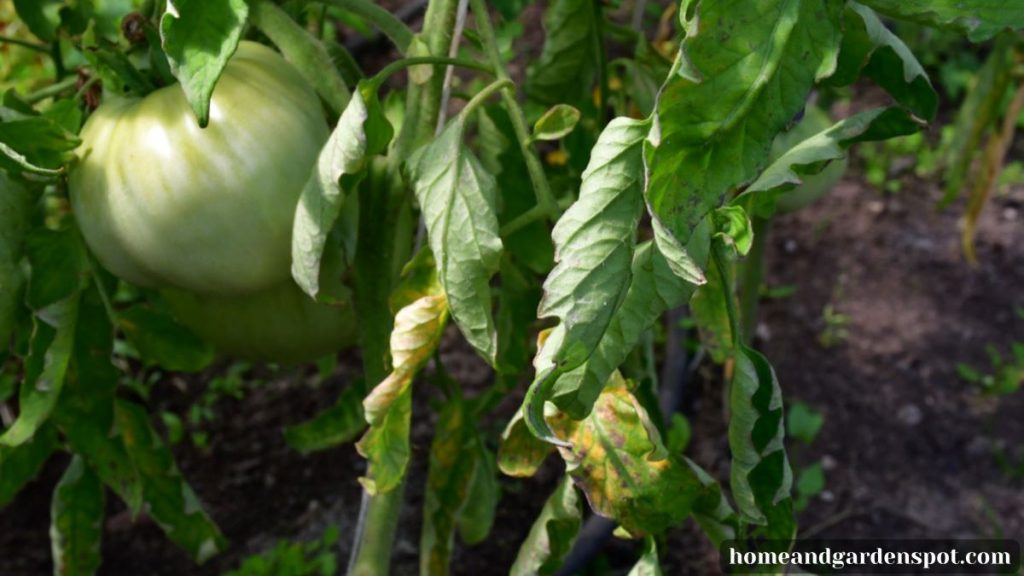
(378, 520)
(541, 187)
(719, 253)
(58, 59)
(25, 44)
(54, 89)
(397, 65)
(752, 270)
(303, 51)
(483, 95)
(385, 21)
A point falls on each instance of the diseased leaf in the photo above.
(161, 340)
(869, 46)
(448, 483)
(617, 458)
(978, 19)
(199, 37)
(362, 132)
(552, 535)
(741, 76)
(76, 521)
(556, 123)
(594, 242)
(517, 311)
(648, 564)
(564, 72)
(18, 466)
(521, 453)
(761, 478)
(168, 497)
(336, 425)
(458, 199)
(654, 289)
(422, 312)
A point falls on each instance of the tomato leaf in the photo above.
(556, 123)
(161, 340)
(199, 37)
(712, 510)
(168, 497)
(761, 478)
(34, 144)
(520, 453)
(869, 46)
(741, 76)
(419, 324)
(19, 465)
(457, 196)
(76, 521)
(733, 226)
(476, 517)
(40, 17)
(336, 425)
(362, 131)
(594, 242)
(709, 313)
(616, 456)
(565, 69)
(813, 154)
(552, 535)
(978, 19)
(654, 289)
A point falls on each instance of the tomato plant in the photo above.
(224, 175)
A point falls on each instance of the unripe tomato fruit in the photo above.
(164, 203)
(278, 324)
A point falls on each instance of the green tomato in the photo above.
(164, 203)
(814, 186)
(279, 324)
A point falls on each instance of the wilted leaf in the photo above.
(362, 132)
(761, 477)
(654, 289)
(477, 514)
(869, 46)
(594, 242)
(733, 226)
(521, 453)
(76, 521)
(419, 324)
(979, 19)
(457, 197)
(199, 37)
(741, 76)
(648, 564)
(712, 510)
(552, 535)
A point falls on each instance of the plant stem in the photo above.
(483, 95)
(51, 90)
(303, 51)
(378, 519)
(541, 187)
(25, 44)
(397, 65)
(719, 254)
(385, 21)
(752, 271)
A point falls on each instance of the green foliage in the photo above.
(650, 197)
(294, 558)
(1006, 375)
